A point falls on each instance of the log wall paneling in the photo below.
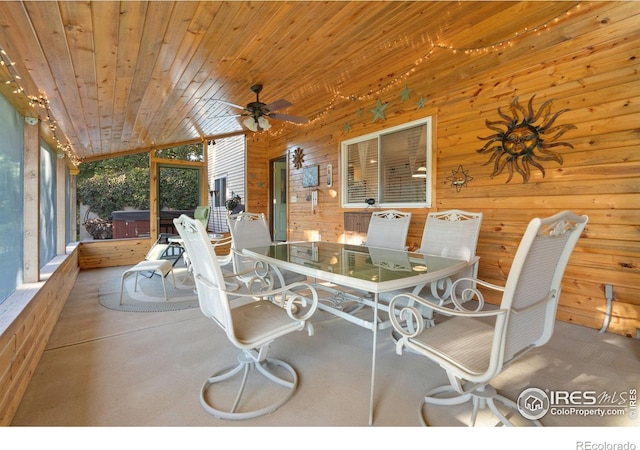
(588, 66)
(257, 175)
(112, 252)
(26, 322)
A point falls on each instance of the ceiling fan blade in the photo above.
(289, 118)
(230, 104)
(278, 104)
(228, 116)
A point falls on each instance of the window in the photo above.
(11, 199)
(219, 191)
(48, 204)
(392, 167)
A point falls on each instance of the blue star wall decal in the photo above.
(347, 127)
(260, 184)
(378, 111)
(404, 95)
(420, 103)
(359, 112)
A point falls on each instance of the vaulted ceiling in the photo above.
(112, 77)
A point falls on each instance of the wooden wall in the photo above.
(27, 320)
(587, 64)
(112, 252)
(257, 175)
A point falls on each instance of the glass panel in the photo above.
(362, 263)
(67, 200)
(48, 209)
(404, 167)
(362, 172)
(11, 198)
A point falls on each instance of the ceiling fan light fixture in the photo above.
(263, 123)
(251, 124)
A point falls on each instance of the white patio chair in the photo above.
(250, 326)
(454, 234)
(388, 229)
(475, 346)
(251, 230)
(201, 213)
(225, 261)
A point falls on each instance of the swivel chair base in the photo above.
(482, 397)
(246, 366)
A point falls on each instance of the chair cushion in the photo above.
(462, 341)
(162, 265)
(257, 320)
(156, 252)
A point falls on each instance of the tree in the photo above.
(116, 183)
(112, 184)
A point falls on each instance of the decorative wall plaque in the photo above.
(310, 176)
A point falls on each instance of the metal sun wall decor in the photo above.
(526, 140)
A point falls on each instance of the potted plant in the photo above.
(232, 203)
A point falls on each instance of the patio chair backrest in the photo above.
(532, 289)
(388, 229)
(201, 213)
(452, 234)
(209, 280)
(247, 230)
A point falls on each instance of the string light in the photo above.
(489, 48)
(41, 101)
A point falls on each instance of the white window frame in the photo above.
(344, 166)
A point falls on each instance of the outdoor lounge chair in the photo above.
(153, 264)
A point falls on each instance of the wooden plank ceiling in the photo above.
(121, 76)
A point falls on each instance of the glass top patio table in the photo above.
(366, 268)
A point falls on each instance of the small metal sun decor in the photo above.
(298, 158)
(526, 141)
(459, 178)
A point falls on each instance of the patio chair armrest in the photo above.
(409, 321)
(265, 273)
(288, 295)
(291, 296)
(224, 241)
(468, 293)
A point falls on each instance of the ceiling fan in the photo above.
(258, 112)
